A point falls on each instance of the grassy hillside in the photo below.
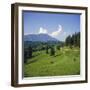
(65, 62)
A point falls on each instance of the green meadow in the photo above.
(66, 61)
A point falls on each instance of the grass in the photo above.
(65, 62)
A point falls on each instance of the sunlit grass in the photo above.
(65, 62)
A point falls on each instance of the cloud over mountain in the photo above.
(42, 30)
(53, 34)
(57, 32)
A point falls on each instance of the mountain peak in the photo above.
(39, 37)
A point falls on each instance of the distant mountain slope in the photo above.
(39, 37)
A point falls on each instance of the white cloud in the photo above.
(42, 30)
(57, 32)
(27, 33)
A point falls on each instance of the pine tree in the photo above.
(29, 51)
(25, 55)
(52, 51)
(58, 47)
(47, 49)
(68, 40)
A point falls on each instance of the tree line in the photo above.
(73, 40)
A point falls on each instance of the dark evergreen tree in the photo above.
(52, 51)
(68, 40)
(29, 51)
(47, 49)
(72, 40)
(78, 39)
(58, 47)
(25, 55)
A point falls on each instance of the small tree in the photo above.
(47, 49)
(68, 40)
(30, 51)
(58, 47)
(25, 55)
(52, 51)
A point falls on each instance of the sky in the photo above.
(57, 25)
